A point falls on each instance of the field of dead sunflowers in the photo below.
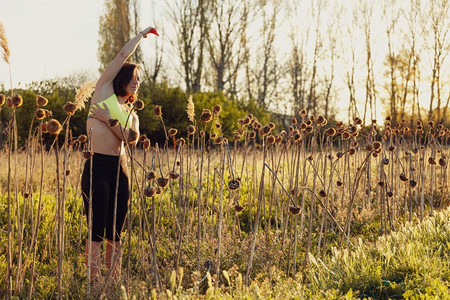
(312, 210)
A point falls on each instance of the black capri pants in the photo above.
(104, 174)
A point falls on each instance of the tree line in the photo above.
(289, 55)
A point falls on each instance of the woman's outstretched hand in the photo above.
(149, 30)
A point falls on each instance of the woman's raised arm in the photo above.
(104, 85)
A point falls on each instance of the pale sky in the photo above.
(49, 38)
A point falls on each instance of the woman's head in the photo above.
(126, 82)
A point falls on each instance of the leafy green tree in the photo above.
(114, 31)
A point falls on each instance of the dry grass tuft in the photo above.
(191, 109)
(4, 44)
(84, 93)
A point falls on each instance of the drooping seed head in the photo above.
(216, 109)
(352, 151)
(180, 142)
(190, 129)
(172, 132)
(390, 194)
(162, 181)
(352, 129)
(339, 183)
(442, 161)
(385, 161)
(206, 116)
(150, 176)
(238, 208)
(218, 140)
(142, 138)
(146, 144)
(265, 130)
(41, 101)
(346, 135)
(294, 121)
(322, 193)
(48, 113)
(43, 127)
(2, 99)
(16, 101)
(70, 108)
(294, 210)
(138, 104)
(173, 175)
(132, 136)
(252, 134)
(39, 114)
(54, 127)
(412, 183)
(149, 191)
(82, 138)
(376, 145)
(321, 121)
(157, 111)
(330, 131)
(234, 184)
(270, 140)
(87, 154)
(403, 177)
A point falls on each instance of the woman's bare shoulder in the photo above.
(102, 92)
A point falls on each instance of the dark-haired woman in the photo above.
(115, 89)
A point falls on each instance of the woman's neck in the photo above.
(121, 100)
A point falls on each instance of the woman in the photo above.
(116, 87)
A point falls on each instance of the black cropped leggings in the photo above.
(104, 174)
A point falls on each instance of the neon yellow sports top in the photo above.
(115, 110)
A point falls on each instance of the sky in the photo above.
(55, 38)
(49, 38)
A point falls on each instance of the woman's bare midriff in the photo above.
(103, 140)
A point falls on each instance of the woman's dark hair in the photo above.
(123, 78)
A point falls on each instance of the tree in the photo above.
(392, 14)
(266, 73)
(114, 30)
(225, 54)
(367, 11)
(191, 25)
(438, 29)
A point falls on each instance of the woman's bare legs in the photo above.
(95, 257)
(113, 254)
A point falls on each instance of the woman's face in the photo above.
(133, 86)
